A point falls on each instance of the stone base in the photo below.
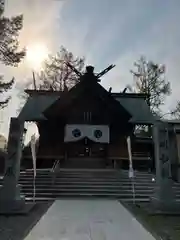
(15, 207)
(163, 200)
(11, 200)
(157, 206)
(10, 191)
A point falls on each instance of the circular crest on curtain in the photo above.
(76, 132)
(98, 133)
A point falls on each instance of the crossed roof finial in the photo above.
(90, 71)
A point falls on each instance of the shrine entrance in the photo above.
(85, 154)
(85, 145)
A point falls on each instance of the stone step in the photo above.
(93, 190)
(50, 182)
(68, 185)
(85, 171)
(42, 199)
(86, 176)
(115, 175)
(64, 185)
(72, 170)
(101, 182)
(92, 180)
(86, 188)
(122, 188)
(85, 193)
(111, 188)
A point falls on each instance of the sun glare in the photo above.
(36, 54)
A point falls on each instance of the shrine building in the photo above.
(87, 126)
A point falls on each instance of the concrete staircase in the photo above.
(86, 183)
(78, 183)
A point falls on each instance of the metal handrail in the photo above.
(56, 162)
(54, 168)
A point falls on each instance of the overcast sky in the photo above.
(105, 32)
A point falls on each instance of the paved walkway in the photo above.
(88, 220)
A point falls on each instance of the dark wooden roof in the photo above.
(90, 88)
(36, 104)
(43, 103)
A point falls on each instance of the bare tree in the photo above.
(150, 79)
(56, 74)
(176, 111)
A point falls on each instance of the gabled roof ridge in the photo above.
(42, 92)
(113, 94)
(129, 95)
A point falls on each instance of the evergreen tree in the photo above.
(9, 52)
